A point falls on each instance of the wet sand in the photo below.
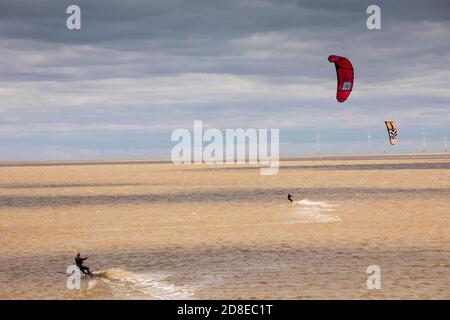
(161, 231)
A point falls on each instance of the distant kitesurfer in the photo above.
(79, 262)
(290, 197)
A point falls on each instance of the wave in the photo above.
(323, 204)
(313, 211)
(153, 286)
(115, 274)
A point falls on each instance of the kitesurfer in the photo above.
(79, 262)
(290, 197)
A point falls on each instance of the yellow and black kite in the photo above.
(392, 131)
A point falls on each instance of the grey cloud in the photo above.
(150, 66)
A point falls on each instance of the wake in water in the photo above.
(313, 211)
(126, 284)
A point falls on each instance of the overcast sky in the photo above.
(137, 70)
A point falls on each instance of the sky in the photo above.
(137, 70)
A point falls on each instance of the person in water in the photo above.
(79, 262)
(290, 197)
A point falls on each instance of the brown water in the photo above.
(160, 231)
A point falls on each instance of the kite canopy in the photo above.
(392, 131)
(345, 76)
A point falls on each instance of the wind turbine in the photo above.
(317, 144)
(445, 144)
(424, 142)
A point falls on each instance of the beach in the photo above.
(155, 230)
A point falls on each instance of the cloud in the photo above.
(149, 67)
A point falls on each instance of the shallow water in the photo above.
(160, 231)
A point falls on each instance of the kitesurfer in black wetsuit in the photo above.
(290, 197)
(79, 262)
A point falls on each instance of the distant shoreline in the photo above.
(124, 161)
